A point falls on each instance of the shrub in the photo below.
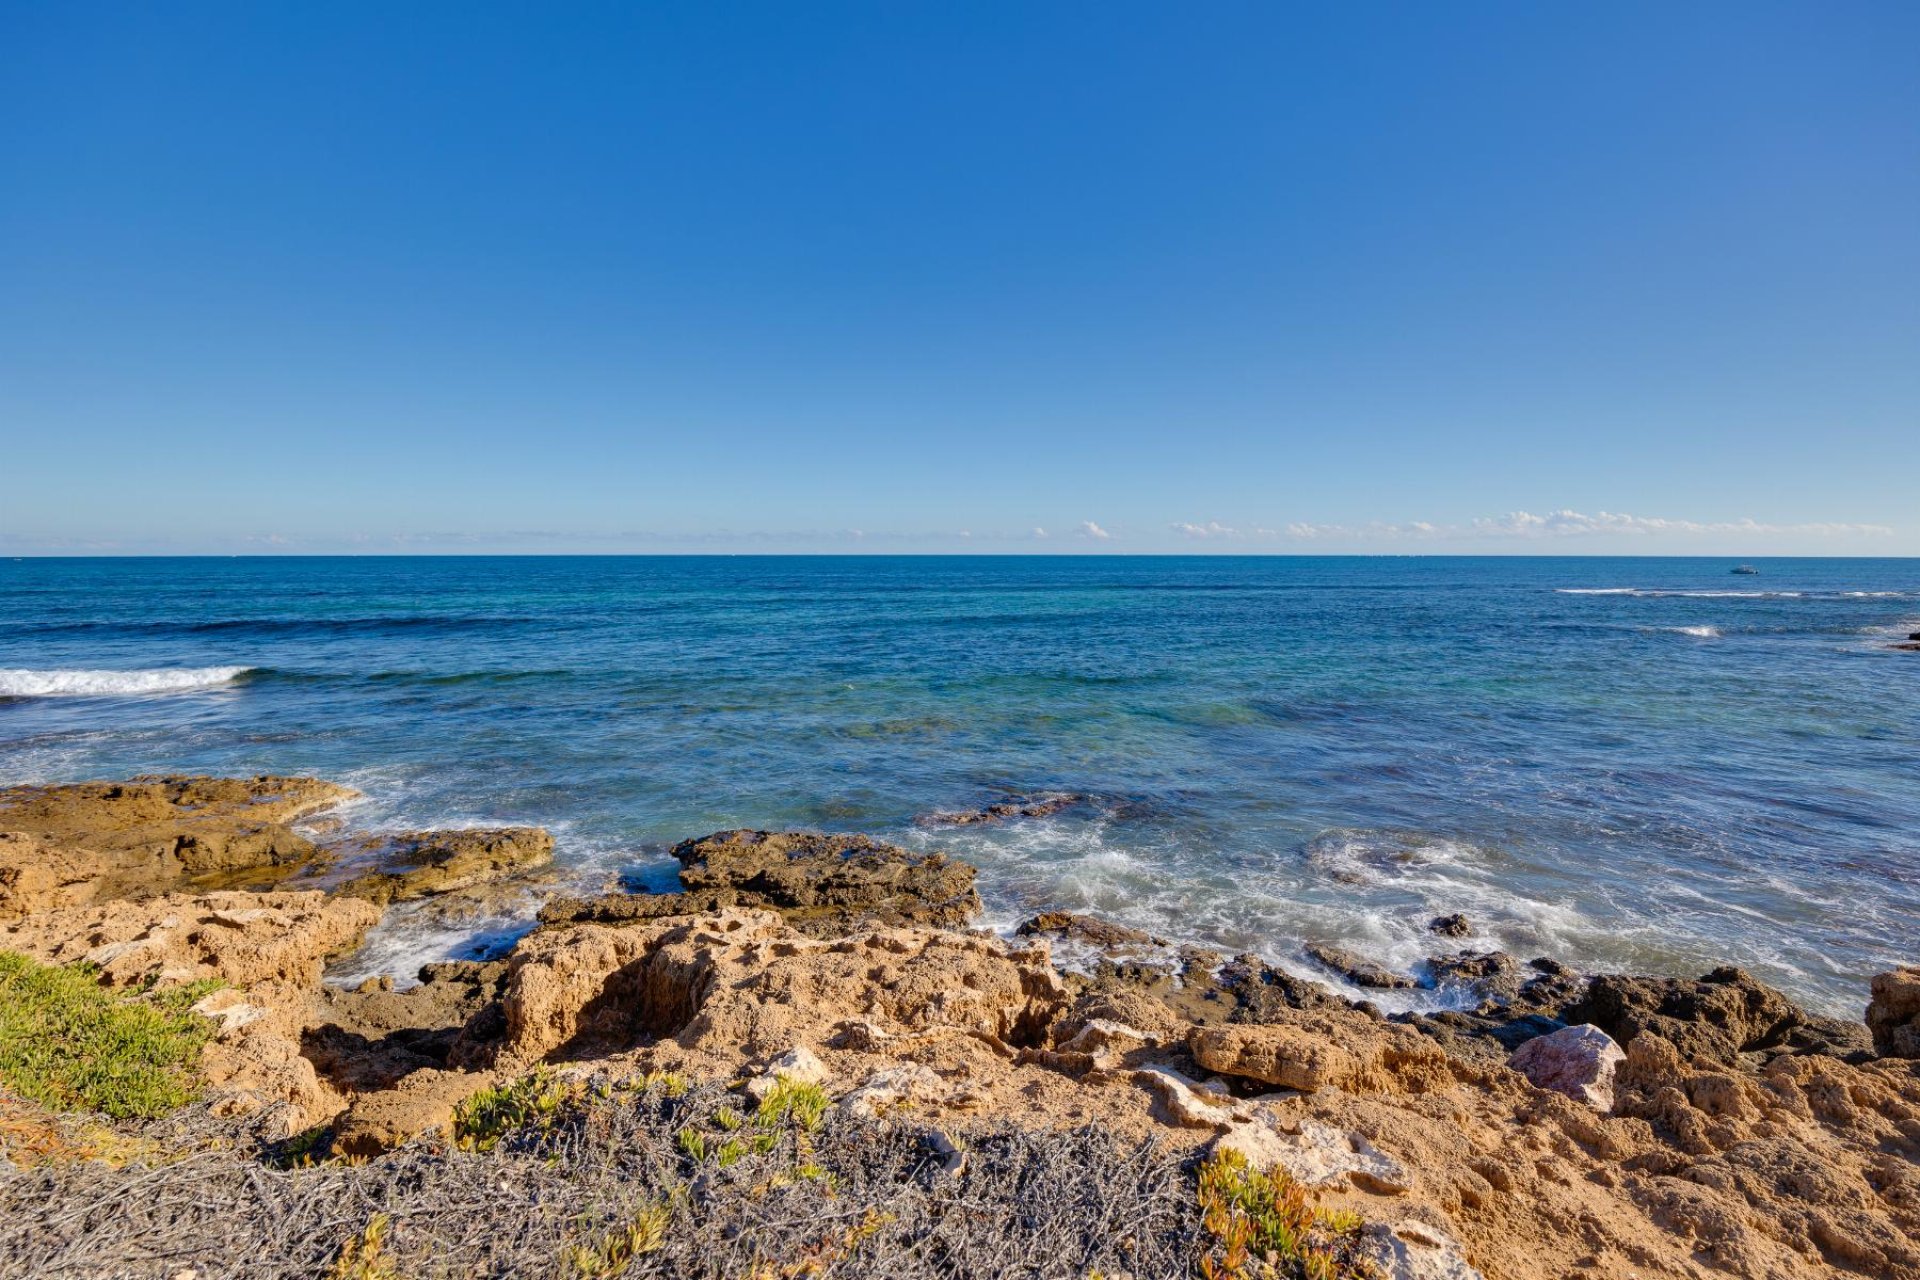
(1261, 1226)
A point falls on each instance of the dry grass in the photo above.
(600, 1184)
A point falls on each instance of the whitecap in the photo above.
(24, 682)
(1705, 633)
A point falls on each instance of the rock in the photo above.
(1715, 1019)
(1414, 1251)
(71, 845)
(1042, 807)
(886, 1091)
(1088, 929)
(1185, 1104)
(1453, 926)
(1913, 635)
(1893, 1014)
(1492, 974)
(825, 884)
(1317, 1051)
(748, 984)
(1356, 969)
(1576, 1061)
(419, 864)
(1317, 1155)
(422, 1103)
(799, 1065)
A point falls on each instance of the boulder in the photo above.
(1317, 1155)
(1453, 926)
(1893, 1013)
(1576, 1061)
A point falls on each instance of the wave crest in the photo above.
(23, 682)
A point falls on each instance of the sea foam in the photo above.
(22, 682)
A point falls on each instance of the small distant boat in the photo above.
(1743, 568)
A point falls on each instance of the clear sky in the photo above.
(894, 276)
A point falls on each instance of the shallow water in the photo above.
(1644, 763)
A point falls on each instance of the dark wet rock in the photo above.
(1260, 992)
(1913, 635)
(820, 883)
(1453, 926)
(1493, 975)
(1038, 807)
(1911, 646)
(88, 842)
(1357, 969)
(1715, 1019)
(1893, 1015)
(372, 1036)
(1088, 929)
(421, 864)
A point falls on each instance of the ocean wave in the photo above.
(1662, 593)
(1705, 633)
(22, 682)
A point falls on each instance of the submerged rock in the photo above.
(823, 883)
(1088, 929)
(1041, 807)
(1357, 969)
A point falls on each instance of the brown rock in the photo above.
(1088, 929)
(1453, 926)
(1893, 1014)
(422, 1103)
(97, 841)
(1041, 807)
(419, 864)
(826, 884)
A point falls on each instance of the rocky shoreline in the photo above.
(1559, 1124)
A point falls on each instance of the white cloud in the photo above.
(1211, 529)
(1038, 532)
(1577, 524)
(1088, 529)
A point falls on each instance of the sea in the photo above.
(1640, 764)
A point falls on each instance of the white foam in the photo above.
(1597, 591)
(23, 682)
(1705, 633)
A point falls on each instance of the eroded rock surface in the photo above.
(823, 883)
(1893, 1015)
(420, 864)
(69, 845)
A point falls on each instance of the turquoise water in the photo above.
(1635, 762)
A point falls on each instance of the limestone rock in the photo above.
(799, 1065)
(1893, 1014)
(1414, 1251)
(1711, 1020)
(1317, 1051)
(71, 845)
(424, 1102)
(419, 864)
(1576, 1061)
(1317, 1155)
(826, 884)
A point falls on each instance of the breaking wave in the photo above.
(22, 682)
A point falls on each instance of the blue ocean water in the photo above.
(1641, 763)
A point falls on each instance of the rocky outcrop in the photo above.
(825, 884)
(1453, 926)
(420, 864)
(1312, 1051)
(64, 846)
(1714, 1019)
(1893, 1015)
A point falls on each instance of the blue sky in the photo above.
(903, 277)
